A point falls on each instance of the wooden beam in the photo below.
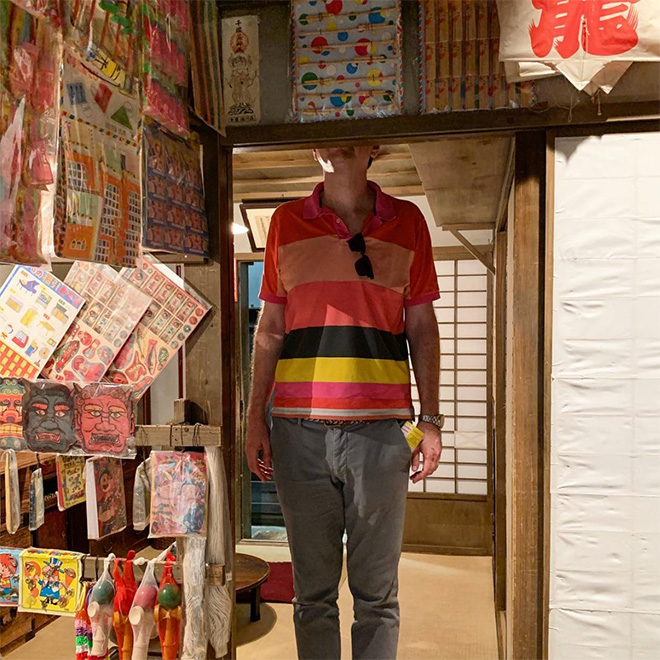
(467, 226)
(455, 253)
(525, 590)
(396, 191)
(421, 127)
(505, 193)
(485, 259)
(178, 435)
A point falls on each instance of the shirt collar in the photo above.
(384, 203)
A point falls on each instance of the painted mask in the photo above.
(48, 417)
(104, 418)
(11, 406)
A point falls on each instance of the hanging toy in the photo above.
(84, 626)
(167, 612)
(100, 611)
(141, 615)
(126, 586)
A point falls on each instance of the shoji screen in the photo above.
(463, 318)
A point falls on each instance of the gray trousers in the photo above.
(330, 480)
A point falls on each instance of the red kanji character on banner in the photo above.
(600, 26)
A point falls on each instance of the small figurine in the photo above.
(141, 616)
(167, 613)
(126, 587)
(100, 611)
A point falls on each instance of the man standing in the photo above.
(348, 286)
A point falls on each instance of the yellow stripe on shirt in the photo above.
(342, 370)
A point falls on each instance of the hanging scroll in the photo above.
(347, 59)
(460, 67)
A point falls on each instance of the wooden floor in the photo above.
(446, 614)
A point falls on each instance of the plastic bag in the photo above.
(100, 610)
(83, 625)
(141, 615)
(178, 494)
(142, 496)
(30, 57)
(126, 587)
(36, 518)
(167, 613)
(165, 55)
(12, 492)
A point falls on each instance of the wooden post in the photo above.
(210, 355)
(526, 484)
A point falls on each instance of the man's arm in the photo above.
(424, 342)
(268, 340)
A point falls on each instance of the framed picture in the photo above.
(256, 216)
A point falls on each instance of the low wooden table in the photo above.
(249, 574)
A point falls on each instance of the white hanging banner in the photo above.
(580, 38)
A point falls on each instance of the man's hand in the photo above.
(430, 448)
(258, 440)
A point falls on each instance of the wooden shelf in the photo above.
(178, 435)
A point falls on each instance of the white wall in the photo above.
(605, 466)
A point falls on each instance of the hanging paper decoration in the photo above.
(50, 581)
(11, 414)
(167, 323)
(205, 63)
(460, 67)
(104, 35)
(240, 69)
(347, 59)
(70, 481)
(48, 417)
(165, 48)
(9, 576)
(168, 613)
(105, 420)
(126, 587)
(98, 216)
(46, 9)
(30, 56)
(141, 615)
(12, 491)
(591, 42)
(83, 625)
(37, 509)
(112, 309)
(175, 220)
(178, 494)
(106, 501)
(36, 309)
(100, 611)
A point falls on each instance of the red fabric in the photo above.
(278, 588)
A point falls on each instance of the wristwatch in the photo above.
(436, 420)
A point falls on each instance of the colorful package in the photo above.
(106, 500)
(48, 417)
(175, 220)
(347, 59)
(83, 625)
(99, 213)
(167, 323)
(178, 494)
(9, 576)
(36, 309)
(50, 581)
(37, 509)
(30, 57)
(165, 33)
(104, 34)
(11, 414)
(70, 481)
(105, 420)
(113, 307)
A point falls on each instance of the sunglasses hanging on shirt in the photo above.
(363, 265)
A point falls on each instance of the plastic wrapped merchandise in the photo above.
(347, 60)
(141, 615)
(37, 508)
(100, 610)
(167, 613)
(83, 625)
(30, 58)
(126, 587)
(165, 62)
(142, 496)
(194, 579)
(12, 492)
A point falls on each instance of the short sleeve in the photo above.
(272, 290)
(423, 286)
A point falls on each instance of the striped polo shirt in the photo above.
(345, 354)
